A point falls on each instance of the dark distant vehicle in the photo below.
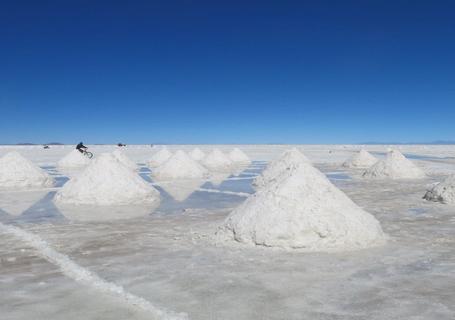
(121, 145)
(46, 146)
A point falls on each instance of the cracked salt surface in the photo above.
(168, 257)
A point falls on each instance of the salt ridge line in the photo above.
(241, 194)
(86, 277)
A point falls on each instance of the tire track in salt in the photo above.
(84, 276)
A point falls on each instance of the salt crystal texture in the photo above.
(197, 154)
(217, 161)
(443, 192)
(289, 159)
(362, 159)
(74, 159)
(159, 158)
(19, 172)
(239, 157)
(107, 182)
(127, 162)
(394, 166)
(302, 209)
(180, 166)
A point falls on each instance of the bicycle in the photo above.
(88, 154)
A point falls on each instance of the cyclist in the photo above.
(81, 148)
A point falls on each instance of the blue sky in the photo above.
(227, 71)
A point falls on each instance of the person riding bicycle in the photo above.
(81, 148)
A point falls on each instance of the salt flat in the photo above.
(168, 256)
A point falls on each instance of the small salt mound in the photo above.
(289, 159)
(239, 157)
(159, 158)
(19, 172)
(107, 182)
(180, 166)
(127, 162)
(443, 192)
(395, 166)
(74, 159)
(217, 161)
(197, 154)
(302, 209)
(362, 159)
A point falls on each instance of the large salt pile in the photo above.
(197, 154)
(239, 157)
(19, 172)
(107, 182)
(127, 162)
(362, 159)
(443, 192)
(160, 157)
(394, 166)
(180, 166)
(74, 159)
(217, 161)
(302, 209)
(289, 159)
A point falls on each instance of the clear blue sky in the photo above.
(227, 71)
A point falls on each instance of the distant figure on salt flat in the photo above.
(81, 148)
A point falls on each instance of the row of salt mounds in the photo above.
(159, 158)
(443, 192)
(362, 159)
(107, 182)
(19, 172)
(74, 159)
(289, 159)
(217, 161)
(239, 157)
(197, 154)
(302, 209)
(123, 159)
(180, 166)
(394, 166)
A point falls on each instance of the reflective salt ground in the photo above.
(168, 257)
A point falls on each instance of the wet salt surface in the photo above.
(168, 257)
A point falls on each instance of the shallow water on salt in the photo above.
(168, 257)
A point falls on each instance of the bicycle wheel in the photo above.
(89, 154)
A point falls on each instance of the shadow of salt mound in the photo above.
(43, 210)
(106, 213)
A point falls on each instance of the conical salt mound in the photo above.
(159, 158)
(217, 161)
(443, 192)
(127, 162)
(289, 159)
(302, 209)
(107, 182)
(362, 159)
(180, 166)
(395, 166)
(19, 172)
(239, 157)
(197, 154)
(74, 159)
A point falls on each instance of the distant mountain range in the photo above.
(35, 144)
(437, 142)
